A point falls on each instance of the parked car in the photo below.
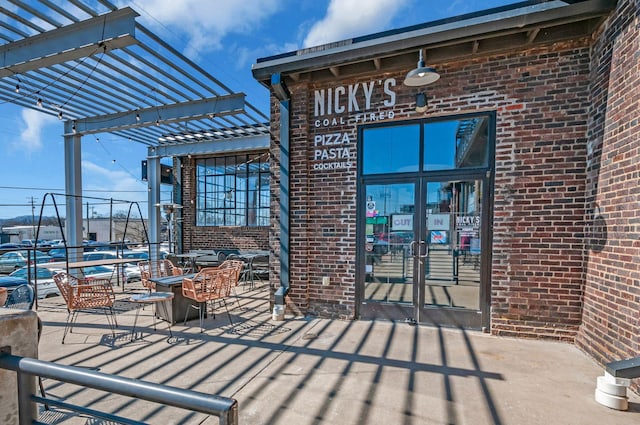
(136, 255)
(30, 243)
(131, 269)
(59, 254)
(9, 245)
(100, 255)
(104, 272)
(11, 282)
(43, 280)
(12, 260)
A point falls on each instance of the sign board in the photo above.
(438, 237)
(438, 221)
(400, 222)
(166, 173)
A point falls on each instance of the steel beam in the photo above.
(164, 114)
(106, 32)
(213, 146)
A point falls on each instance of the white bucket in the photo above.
(278, 313)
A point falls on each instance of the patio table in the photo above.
(252, 272)
(159, 299)
(190, 258)
(179, 304)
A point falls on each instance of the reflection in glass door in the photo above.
(424, 236)
(451, 266)
(389, 235)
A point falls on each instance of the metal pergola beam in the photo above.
(111, 31)
(212, 146)
(163, 114)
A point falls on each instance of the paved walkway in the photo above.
(315, 371)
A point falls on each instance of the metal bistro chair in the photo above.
(85, 294)
(209, 284)
(154, 269)
(22, 297)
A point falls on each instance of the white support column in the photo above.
(154, 211)
(73, 188)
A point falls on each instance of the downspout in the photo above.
(282, 94)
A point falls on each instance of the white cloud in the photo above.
(31, 136)
(113, 180)
(349, 18)
(205, 22)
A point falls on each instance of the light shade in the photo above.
(421, 102)
(422, 75)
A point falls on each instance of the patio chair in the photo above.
(208, 285)
(85, 294)
(154, 269)
(237, 266)
(21, 298)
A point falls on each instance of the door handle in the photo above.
(412, 249)
(426, 249)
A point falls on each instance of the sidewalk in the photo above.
(316, 371)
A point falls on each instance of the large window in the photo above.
(233, 190)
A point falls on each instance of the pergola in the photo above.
(98, 70)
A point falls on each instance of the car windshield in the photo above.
(42, 272)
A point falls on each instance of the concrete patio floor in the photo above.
(316, 371)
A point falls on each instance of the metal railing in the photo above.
(226, 409)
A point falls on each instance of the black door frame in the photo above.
(464, 318)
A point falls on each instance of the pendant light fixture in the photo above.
(422, 75)
(421, 102)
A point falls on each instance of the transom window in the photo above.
(446, 144)
(233, 190)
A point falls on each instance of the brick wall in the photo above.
(541, 97)
(610, 329)
(245, 238)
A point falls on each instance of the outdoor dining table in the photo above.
(159, 301)
(251, 259)
(180, 306)
(190, 258)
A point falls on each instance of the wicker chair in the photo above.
(85, 294)
(154, 269)
(238, 267)
(208, 285)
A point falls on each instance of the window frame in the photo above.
(225, 195)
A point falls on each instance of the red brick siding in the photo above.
(611, 326)
(541, 99)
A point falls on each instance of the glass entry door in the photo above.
(449, 260)
(389, 244)
(422, 252)
(423, 225)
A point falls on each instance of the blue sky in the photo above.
(225, 38)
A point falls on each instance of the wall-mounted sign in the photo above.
(438, 221)
(353, 98)
(337, 107)
(468, 224)
(402, 222)
(438, 237)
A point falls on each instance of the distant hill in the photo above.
(25, 220)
